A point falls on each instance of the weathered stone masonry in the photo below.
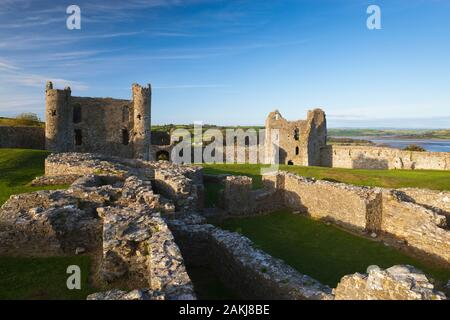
(111, 212)
(115, 213)
(22, 137)
(304, 142)
(423, 227)
(357, 157)
(103, 125)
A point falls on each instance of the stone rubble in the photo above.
(400, 282)
(120, 211)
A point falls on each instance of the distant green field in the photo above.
(429, 179)
(412, 134)
(332, 132)
(301, 242)
(18, 167)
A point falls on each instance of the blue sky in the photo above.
(232, 62)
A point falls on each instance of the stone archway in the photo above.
(162, 155)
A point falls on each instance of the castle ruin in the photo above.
(104, 125)
(299, 142)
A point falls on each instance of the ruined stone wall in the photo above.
(47, 223)
(101, 126)
(429, 198)
(237, 195)
(365, 157)
(247, 271)
(395, 283)
(300, 142)
(183, 185)
(237, 198)
(22, 137)
(113, 215)
(424, 228)
(107, 126)
(344, 204)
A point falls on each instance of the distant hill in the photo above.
(12, 122)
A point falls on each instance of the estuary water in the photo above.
(429, 145)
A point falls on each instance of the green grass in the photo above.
(13, 122)
(429, 179)
(42, 278)
(33, 278)
(18, 167)
(207, 285)
(324, 252)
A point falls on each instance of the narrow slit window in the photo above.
(78, 137)
(296, 134)
(125, 137)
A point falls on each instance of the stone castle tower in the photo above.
(298, 142)
(99, 125)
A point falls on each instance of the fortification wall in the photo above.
(365, 157)
(247, 271)
(22, 137)
(391, 212)
(100, 125)
(108, 126)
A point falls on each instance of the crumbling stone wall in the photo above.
(183, 184)
(423, 228)
(113, 215)
(247, 271)
(366, 157)
(395, 283)
(47, 223)
(237, 195)
(116, 214)
(103, 125)
(429, 198)
(22, 137)
(237, 198)
(349, 206)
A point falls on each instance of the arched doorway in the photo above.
(162, 155)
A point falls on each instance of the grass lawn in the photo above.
(324, 252)
(33, 278)
(429, 179)
(18, 167)
(207, 284)
(42, 278)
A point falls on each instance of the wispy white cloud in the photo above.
(7, 65)
(15, 76)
